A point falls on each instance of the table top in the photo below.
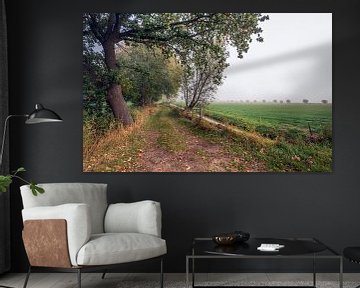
(292, 247)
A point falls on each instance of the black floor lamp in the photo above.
(39, 115)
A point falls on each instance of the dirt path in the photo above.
(175, 148)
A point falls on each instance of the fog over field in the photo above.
(294, 62)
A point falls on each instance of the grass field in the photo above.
(297, 148)
(276, 120)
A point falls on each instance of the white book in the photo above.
(270, 247)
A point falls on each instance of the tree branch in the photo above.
(117, 22)
(110, 25)
(144, 31)
(95, 28)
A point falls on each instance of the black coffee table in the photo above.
(294, 248)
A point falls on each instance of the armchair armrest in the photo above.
(77, 219)
(138, 217)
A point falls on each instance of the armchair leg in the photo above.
(27, 277)
(79, 277)
(161, 273)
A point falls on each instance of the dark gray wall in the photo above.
(45, 66)
(4, 166)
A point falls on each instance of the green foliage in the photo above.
(195, 39)
(175, 32)
(146, 75)
(96, 80)
(6, 180)
(203, 74)
(20, 169)
(36, 189)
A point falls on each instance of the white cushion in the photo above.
(93, 194)
(77, 218)
(113, 248)
(138, 217)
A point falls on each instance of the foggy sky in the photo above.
(294, 61)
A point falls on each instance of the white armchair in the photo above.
(72, 228)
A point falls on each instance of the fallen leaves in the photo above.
(295, 158)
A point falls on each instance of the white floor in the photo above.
(115, 280)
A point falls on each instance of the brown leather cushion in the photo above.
(46, 243)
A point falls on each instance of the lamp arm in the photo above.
(4, 134)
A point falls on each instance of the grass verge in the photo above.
(281, 156)
(118, 149)
(169, 138)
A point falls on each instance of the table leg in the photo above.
(193, 272)
(314, 271)
(187, 272)
(341, 273)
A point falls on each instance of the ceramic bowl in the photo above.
(225, 239)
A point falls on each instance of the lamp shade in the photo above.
(42, 115)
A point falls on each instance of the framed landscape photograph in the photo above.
(207, 92)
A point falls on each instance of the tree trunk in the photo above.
(114, 95)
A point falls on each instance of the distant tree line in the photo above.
(287, 101)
